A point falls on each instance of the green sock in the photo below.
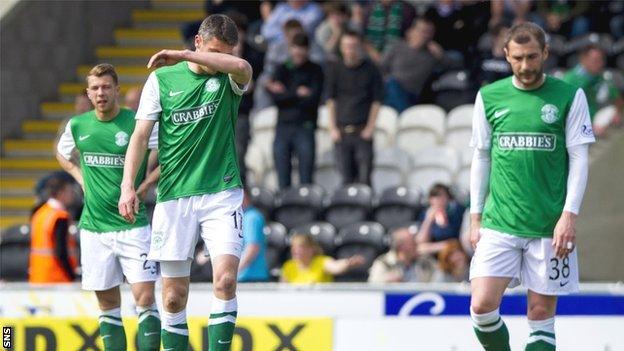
(542, 336)
(149, 328)
(491, 331)
(112, 330)
(174, 331)
(221, 331)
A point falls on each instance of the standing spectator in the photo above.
(564, 17)
(256, 59)
(253, 265)
(132, 98)
(82, 103)
(329, 32)
(354, 91)
(53, 253)
(387, 22)
(441, 221)
(308, 13)
(296, 89)
(308, 264)
(600, 92)
(493, 65)
(409, 64)
(402, 263)
(453, 264)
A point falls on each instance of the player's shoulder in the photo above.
(167, 70)
(82, 118)
(562, 86)
(125, 112)
(501, 84)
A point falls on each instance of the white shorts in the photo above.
(529, 261)
(107, 257)
(178, 223)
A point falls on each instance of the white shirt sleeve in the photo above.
(238, 90)
(153, 139)
(577, 177)
(479, 179)
(149, 106)
(578, 124)
(66, 143)
(481, 129)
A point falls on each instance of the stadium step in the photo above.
(165, 17)
(57, 110)
(68, 91)
(39, 126)
(20, 186)
(149, 37)
(28, 147)
(134, 75)
(131, 55)
(7, 221)
(28, 165)
(16, 203)
(178, 4)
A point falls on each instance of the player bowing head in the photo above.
(526, 51)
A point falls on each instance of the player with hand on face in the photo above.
(194, 95)
(529, 170)
(111, 248)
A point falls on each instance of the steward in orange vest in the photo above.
(53, 251)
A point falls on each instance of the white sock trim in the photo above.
(220, 306)
(179, 331)
(221, 320)
(173, 318)
(480, 320)
(141, 309)
(546, 325)
(147, 314)
(105, 319)
(115, 312)
(535, 338)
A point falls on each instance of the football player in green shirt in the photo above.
(111, 248)
(194, 95)
(529, 170)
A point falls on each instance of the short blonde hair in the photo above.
(103, 69)
(308, 241)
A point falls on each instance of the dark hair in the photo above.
(292, 24)
(221, 27)
(300, 39)
(351, 33)
(522, 33)
(103, 69)
(440, 189)
(590, 47)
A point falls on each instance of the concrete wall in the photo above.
(42, 42)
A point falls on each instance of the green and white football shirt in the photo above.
(527, 133)
(102, 146)
(197, 116)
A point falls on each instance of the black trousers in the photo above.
(354, 156)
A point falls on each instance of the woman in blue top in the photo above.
(441, 221)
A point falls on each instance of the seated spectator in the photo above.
(82, 103)
(493, 65)
(354, 90)
(296, 89)
(329, 31)
(308, 13)
(600, 92)
(308, 264)
(402, 263)
(452, 263)
(132, 98)
(253, 266)
(564, 17)
(441, 221)
(387, 22)
(54, 253)
(409, 64)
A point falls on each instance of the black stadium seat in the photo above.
(324, 233)
(263, 199)
(298, 205)
(277, 243)
(397, 205)
(349, 204)
(15, 253)
(367, 239)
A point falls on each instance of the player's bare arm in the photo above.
(70, 168)
(239, 69)
(129, 201)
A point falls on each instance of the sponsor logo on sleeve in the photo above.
(587, 131)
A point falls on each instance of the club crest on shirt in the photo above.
(121, 138)
(212, 85)
(550, 113)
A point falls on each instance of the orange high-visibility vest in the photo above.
(44, 265)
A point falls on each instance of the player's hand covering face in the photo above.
(527, 61)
